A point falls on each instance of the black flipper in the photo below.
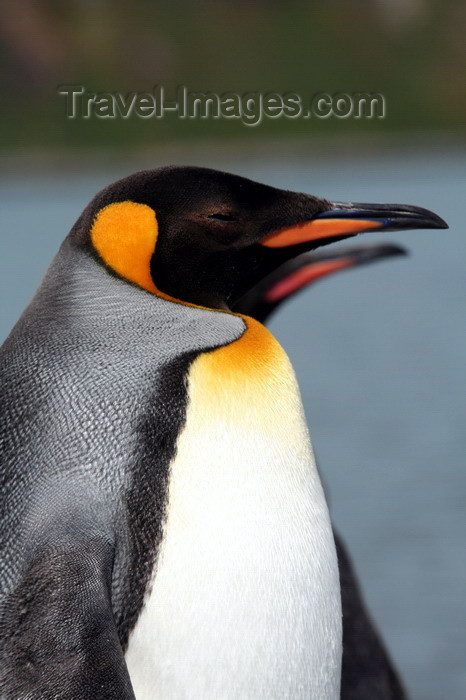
(367, 670)
(60, 637)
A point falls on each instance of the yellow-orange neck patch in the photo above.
(124, 234)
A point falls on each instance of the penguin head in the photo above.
(205, 237)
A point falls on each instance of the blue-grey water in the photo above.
(380, 356)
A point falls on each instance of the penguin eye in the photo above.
(223, 217)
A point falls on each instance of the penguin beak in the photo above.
(310, 267)
(349, 219)
(305, 269)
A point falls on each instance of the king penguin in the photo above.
(164, 532)
(368, 672)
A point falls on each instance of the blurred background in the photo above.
(379, 351)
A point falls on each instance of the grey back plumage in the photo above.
(80, 375)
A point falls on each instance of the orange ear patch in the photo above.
(124, 234)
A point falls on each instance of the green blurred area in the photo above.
(411, 51)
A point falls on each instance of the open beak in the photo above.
(305, 269)
(349, 219)
(310, 267)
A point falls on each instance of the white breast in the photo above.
(245, 600)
